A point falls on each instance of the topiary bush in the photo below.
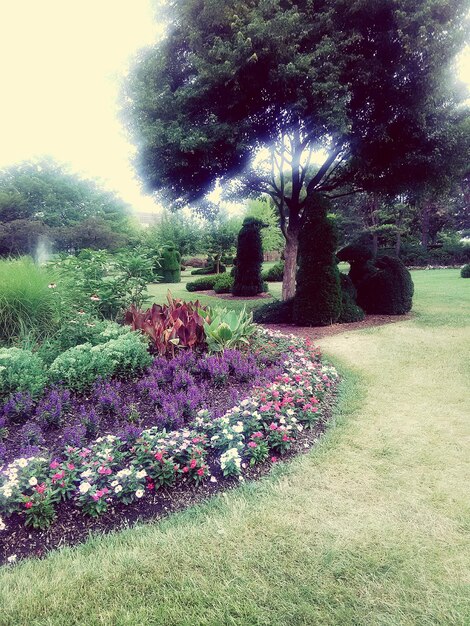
(387, 291)
(247, 279)
(279, 312)
(350, 311)
(202, 284)
(274, 274)
(170, 265)
(317, 299)
(223, 283)
(359, 258)
(465, 271)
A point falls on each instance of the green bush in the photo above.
(388, 291)
(170, 265)
(274, 274)
(228, 329)
(465, 271)
(350, 311)
(278, 312)
(223, 283)
(209, 269)
(21, 370)
(80, 366)
(247, 279)
(317, 300)
(359, 258)
(27, 304)
(203, 284)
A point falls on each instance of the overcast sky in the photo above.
(61, 64)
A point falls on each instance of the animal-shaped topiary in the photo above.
(389, 291)
(170, 264)
(247, 274)
(360, 262)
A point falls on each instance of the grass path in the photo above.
(372, 528)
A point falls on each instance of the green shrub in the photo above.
(388, 291)
(317, 300)
(278, 312)
(27, 304)
(209, 269)
(223, 283)
(274, 274)
(21, 370)
(203, 284)
(359, 258)
(465, 271)
(170, 265)
(81, 365)
(247, 279)
(350, 311)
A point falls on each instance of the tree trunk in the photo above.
(425, 218)
(290, 263)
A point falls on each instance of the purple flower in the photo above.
(90, 419)
(18, 407)
(29, 451)
(50, 410)
(74, 435)
(31, 435)
(129, 433)
(107, 397)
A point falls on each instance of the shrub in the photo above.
(203, 284)
(170, 265)
(27, 304)
(80, 366)
(350, 311)
(465, 271)
(317, 300)
(275, 273)
(388, 291)
(359, 258)
(278, 312)
(223, 283)
(247, 280)
(21, 371)
(176, 324)
(210, 268)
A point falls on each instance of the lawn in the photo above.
(372, 527)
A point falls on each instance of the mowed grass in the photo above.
(370, 528)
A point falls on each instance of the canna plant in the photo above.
(177, 324)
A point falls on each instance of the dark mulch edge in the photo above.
(228, 296)
(72, 527)
(317, 332)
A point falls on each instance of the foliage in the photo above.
(389, 290)
(203, 284)
(21, 371)
(279, 312)
(248, 281)
(184, 230)
(81, 365)
(350, 311)
(275, 273)
(264, 210)
(465, 271)
(227, 329)
(170, 264)
(98, 283)
(177, 324)
(223, 283)
(317, 300)
(27, 304)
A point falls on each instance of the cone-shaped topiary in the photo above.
(389, 291)
(170, 265)
(317, 299)
(247, 275)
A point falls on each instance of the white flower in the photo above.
(114, 483)
(238, 428)
(33, 481)
(11, 558)
(22, 462)
(141, 474)
(2, 524)
(118, 488)
(213, 479)
(139, 493)
(84, 487)
(86, 474)
(7, 492)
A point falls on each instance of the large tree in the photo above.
(343, 95)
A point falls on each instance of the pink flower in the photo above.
(285, 438)
(274, 459)
(185, 469)
(257, 435)
(200, 472)
(54, 464)
(272, 426)
(58, 476)
(70, 466)
(193, 463)
(41, 488)
(150, 486)
(159, 456)
(28, 505)
(252, 444)
(104, 471)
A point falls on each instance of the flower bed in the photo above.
(113, 473)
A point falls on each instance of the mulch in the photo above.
(229, 296)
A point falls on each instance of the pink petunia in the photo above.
(252, 444)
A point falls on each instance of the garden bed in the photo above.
(112, 481)
(229, 296)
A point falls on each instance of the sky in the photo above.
(61, 65)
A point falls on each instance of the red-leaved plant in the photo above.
(177, 324)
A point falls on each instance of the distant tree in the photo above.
(93, 233)
(343, 95)
(21, 236)
(220, 238)
(264, 210)
(184, 230)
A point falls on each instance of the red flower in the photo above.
(193, 463)
(200, 472)
(159, 456)
(41, 488)
(150, 486)
(28, 505)
(185, 469)
(54, 465)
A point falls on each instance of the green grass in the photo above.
(370, 528)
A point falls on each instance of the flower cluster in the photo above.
(125, 468)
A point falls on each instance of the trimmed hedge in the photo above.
(279, 312)
(274, 274)
(223, 283)
(465, 271)
(389, 291)
(203, 284)
(248, 281)
(350, 311)
(317, 300)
